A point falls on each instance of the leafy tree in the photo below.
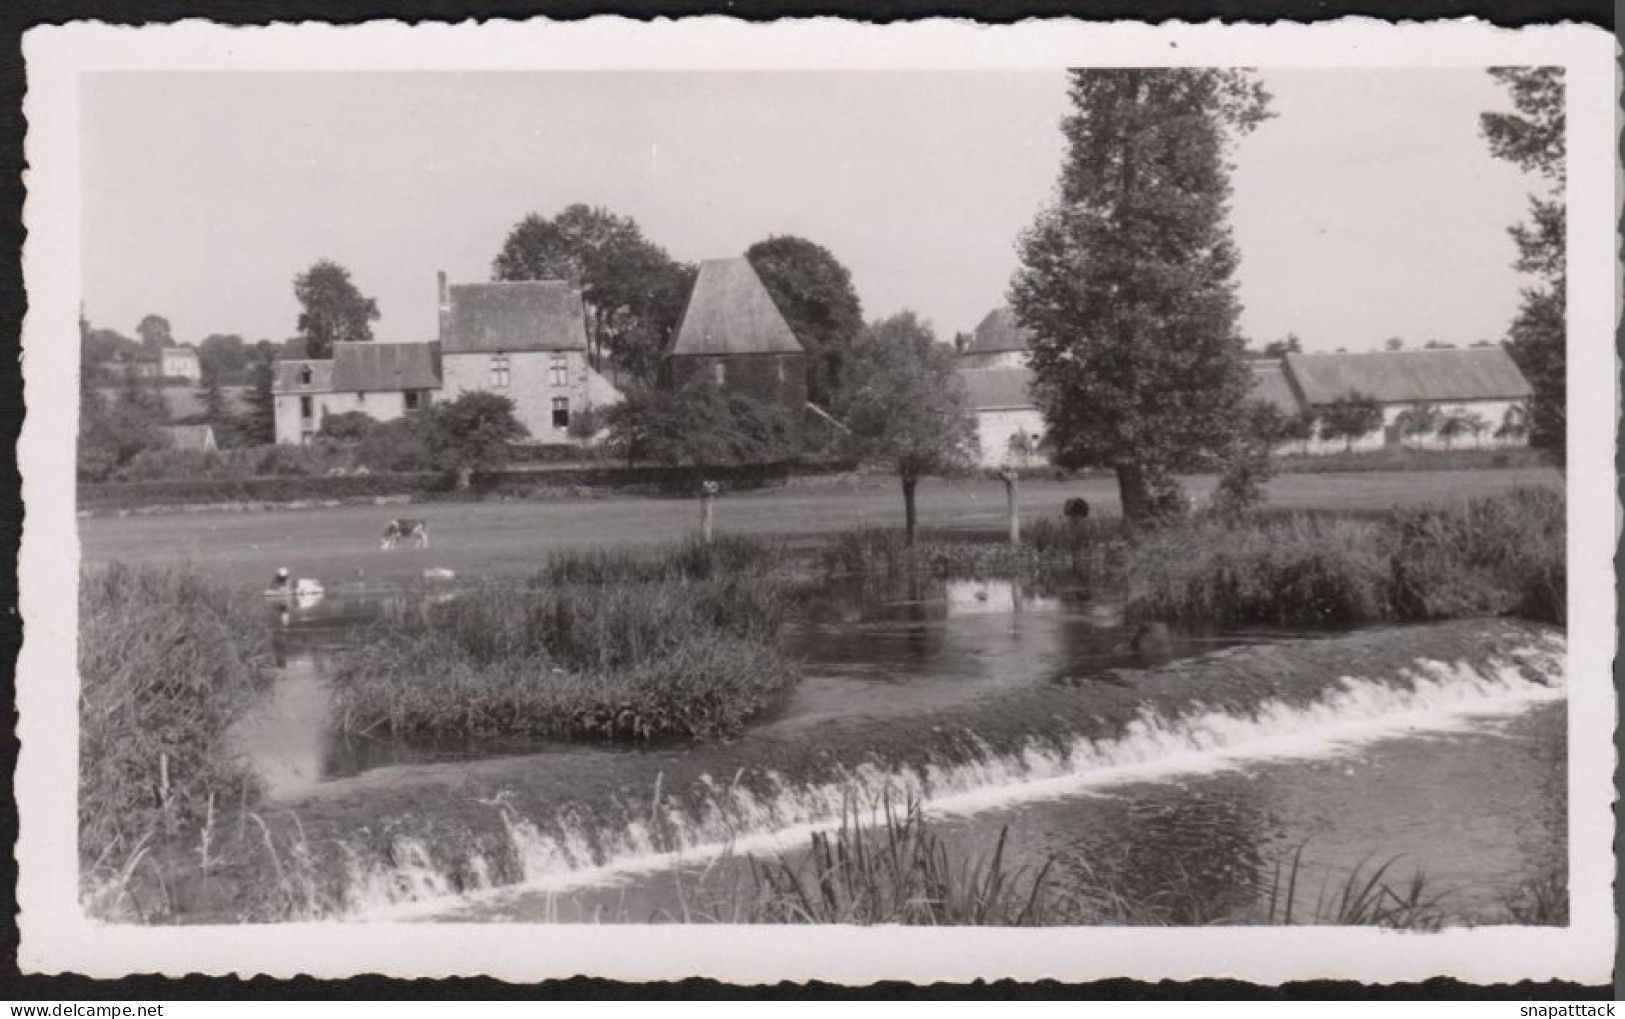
(1127, 280)
(472, 432)
(1419, 422)
(1248, 464)
(1532, 138)
(813, 291)
(1350, 417)
(333, 310)
(905, 404)
(1394, 343)
(259, 425)
(1438, 345)
(155, 334)
(229, 355)
(1288, 344)
(1514, 426)
(1300, 427)
(211, 394)
(633, 292)
(701, 425)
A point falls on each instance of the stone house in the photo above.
(526, 341)
(994, 368)
(733, 334)
(378, 379)
(180, 363)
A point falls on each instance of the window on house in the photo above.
(558, 370)
(305, 375)
(561, 412)
(307, 409)
(413, 396)
(719, 371)
(499, 371)
(361, 396)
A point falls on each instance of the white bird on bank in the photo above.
(283, 584)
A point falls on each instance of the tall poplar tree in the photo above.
(1533, 139)
(1127, 280)
(332, 310)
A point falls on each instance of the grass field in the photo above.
(479, 539)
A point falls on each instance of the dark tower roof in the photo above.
(998, 333)
(730, 312)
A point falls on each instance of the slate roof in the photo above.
(287, 377)
(997, 333)
(730, 312)
(385, 367)
(1407, 376)
(1272, 386)
(509, 317)
(998, 388)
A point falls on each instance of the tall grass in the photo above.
(1503, 554)
(168, 661)
(1084, 550)
(693, 559)
(636, 660)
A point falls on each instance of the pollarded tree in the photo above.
(632, 290)
(1419, 422)
(813, 291)
(1350, 417)
(1533, 139)
(332, 309)
(905, 405)
(1127, 281)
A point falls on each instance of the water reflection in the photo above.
(871, 645)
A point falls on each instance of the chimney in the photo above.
(445, 303)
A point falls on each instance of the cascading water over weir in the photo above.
(423, 841)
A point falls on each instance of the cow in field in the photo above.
(405, 529)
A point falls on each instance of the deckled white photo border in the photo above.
(56, 937)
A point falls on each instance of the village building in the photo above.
(191, 438)
(993, 366)
(180, 363)
(526, 341)
(998, 342)
(1479, 381)
(378, 379)
(733, 334)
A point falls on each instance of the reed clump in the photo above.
(725, 555)
(168, 662)
(1083, 550)
(658, 659)
(1499, 555)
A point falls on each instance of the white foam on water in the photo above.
(1430, 698)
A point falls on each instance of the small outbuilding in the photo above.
(733, 334)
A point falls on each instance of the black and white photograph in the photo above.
(906, 502)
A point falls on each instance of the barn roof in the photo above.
(1405, 376)
(730, 312)
(997, 333)
(384, 367)
(998, 388)
(517, 316)
(1272, 386)
(287, 377)
(198, 438)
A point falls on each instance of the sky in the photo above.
(1368, 207)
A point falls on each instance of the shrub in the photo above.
(627, 660)
(348, 426)
(1498, 555)
(1297, 571)
(1495, 555)
(167, 663)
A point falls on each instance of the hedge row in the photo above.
(131, 494)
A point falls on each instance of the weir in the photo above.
(418, 841)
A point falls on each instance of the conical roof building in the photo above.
(734, 335)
